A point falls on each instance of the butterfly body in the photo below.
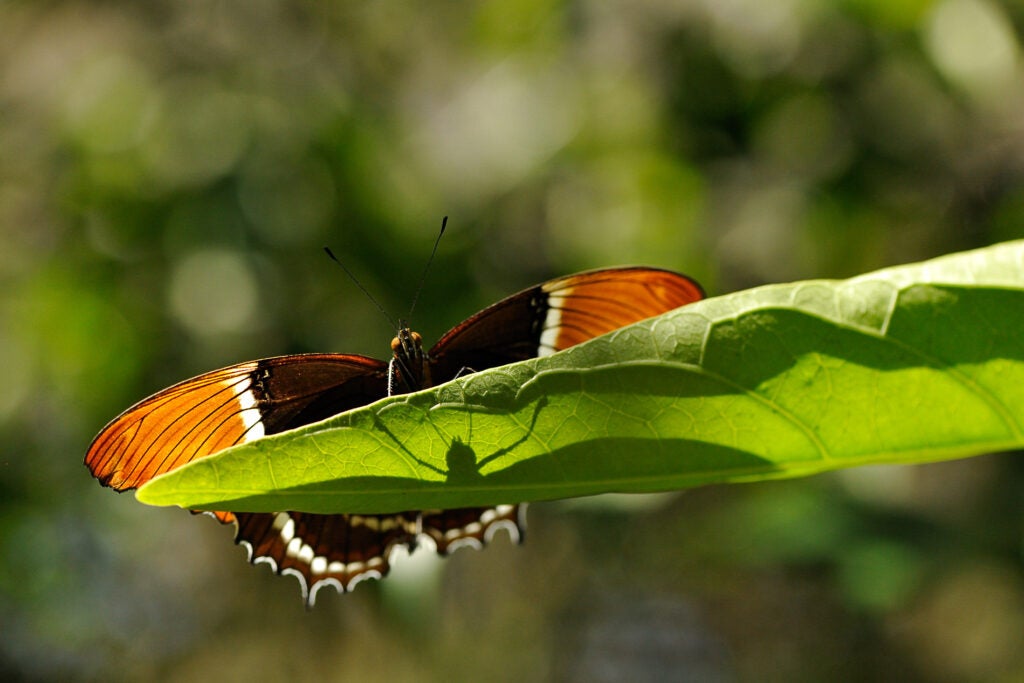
(206, 414)
(409, 363)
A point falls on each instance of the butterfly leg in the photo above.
(464, 370)
(391, 377)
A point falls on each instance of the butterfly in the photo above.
(243, 402)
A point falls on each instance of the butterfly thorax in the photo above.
(409, 370)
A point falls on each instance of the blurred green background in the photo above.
(169, 172)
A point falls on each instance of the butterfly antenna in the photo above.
(359, 284)
(423, 278)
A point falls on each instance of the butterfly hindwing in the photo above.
(474, 527)
(339, 550)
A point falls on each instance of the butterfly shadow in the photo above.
(462, 466)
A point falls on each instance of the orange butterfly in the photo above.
(208, 413)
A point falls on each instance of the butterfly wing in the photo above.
(472, 527)
(558, 314)
(339, 550)
(219, 409)
(216, 410)
(537, 322)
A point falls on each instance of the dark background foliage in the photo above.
(169, 172)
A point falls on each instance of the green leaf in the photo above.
(911, 364)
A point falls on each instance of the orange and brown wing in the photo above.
(216, 410)
(558, 314)
(581, 307)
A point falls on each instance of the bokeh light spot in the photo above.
(973, 44)
(214, 292)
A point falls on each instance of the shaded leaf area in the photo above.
(912, 364)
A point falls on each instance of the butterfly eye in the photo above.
(395, 344)
(417, 339)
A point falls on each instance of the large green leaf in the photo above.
(910, 364)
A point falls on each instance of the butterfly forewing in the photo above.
(187, 421)
(559, 314)
(214, 411)
(584, 306)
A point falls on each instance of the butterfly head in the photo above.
(410, 361)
